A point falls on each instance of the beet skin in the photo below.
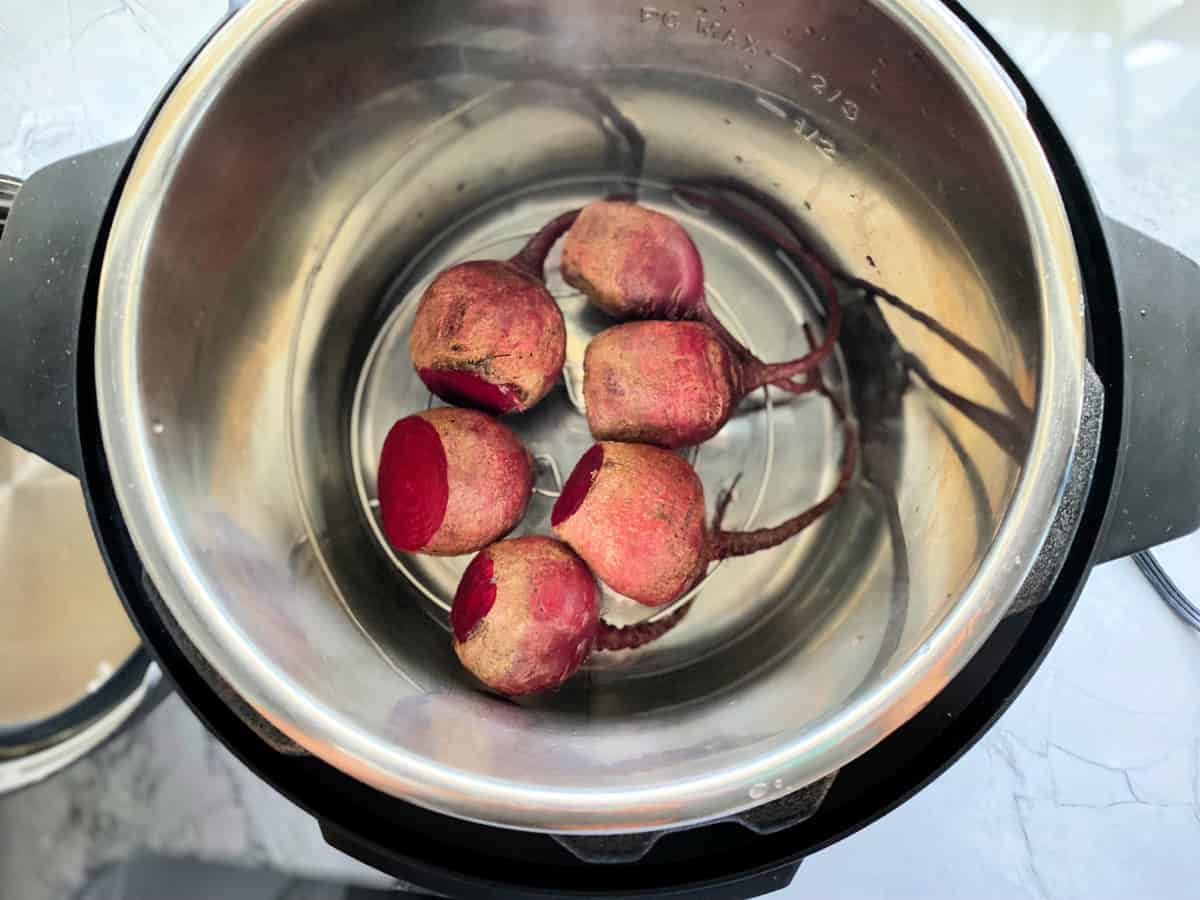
(671, 384)
(636, 515)
(452, 481)
(635, 263)
(487, 333)
(525, 615)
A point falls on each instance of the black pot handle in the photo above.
(49, 229)
(1157, 497)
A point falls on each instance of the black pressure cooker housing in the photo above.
(725, 859)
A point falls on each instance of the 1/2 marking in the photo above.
(811, 133)
(801, 126)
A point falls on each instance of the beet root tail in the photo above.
(613, 638)
(532, 258)
(760, 374)
(728, 544)
(814, 265)
(808, 386)
(706, 193)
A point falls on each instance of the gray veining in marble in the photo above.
(167, 787)
(1089, 787)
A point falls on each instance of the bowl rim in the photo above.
(825, 747)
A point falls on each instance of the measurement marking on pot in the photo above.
(714, 30)
(745, 42)
(813, 135)
(777, 111)
(821, 86)
(783, 60)
(803, 127)
(668, 18)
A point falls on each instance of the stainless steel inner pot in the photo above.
(315, 166)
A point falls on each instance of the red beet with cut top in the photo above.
(636, 263)
(671, 384)
(636, 516)
(452, 481)
(525, 617)
(487, 333)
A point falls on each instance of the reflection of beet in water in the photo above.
(452, 481)
(487, 333)
(635, 263)
(671, 384)
(525, 617)
(636, 516)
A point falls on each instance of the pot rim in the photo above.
(828, 744)
(137, 688)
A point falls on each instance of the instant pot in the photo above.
(207, 326)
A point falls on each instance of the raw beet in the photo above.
(452, 481)
(635, 263)
(487, 333)
(636, 515)
(525, 617)
(671, 384)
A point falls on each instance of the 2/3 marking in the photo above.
(745, 42)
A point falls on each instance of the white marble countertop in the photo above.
(1088, 787)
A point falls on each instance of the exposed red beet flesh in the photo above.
(525, 615)
(487, 333)
(577, 485)
(452, 481)
(468, 389)
(414, 485)
(475, 597)
(641, 525)
(671, 384)
(635, 263)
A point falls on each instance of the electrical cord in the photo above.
(1167, 589)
